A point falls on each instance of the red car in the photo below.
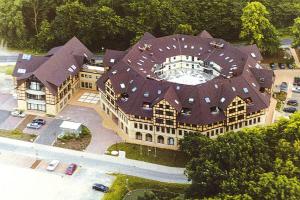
(71, 169)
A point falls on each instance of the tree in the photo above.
(271, 187)
(148, 195)
(296, 31)
(257, 29)
(184, 29)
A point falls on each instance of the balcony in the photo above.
(36, 92)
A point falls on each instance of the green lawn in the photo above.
(123, 184)
(7, 69)
(144, 153)
(17, 134)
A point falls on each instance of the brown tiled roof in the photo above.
(54, 68)
(134, 72)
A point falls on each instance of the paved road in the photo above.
(49, 135)
(4, 115)
(100, 162)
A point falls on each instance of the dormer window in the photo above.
(214, 110)
(249, 101)
(147, 106)
(124, 97)
(186, 111)
(262, 80)
(191, 100)
(146, 94)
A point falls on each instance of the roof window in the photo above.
(207, 99)
(158, 91)
(222, 100)
(146, 94)
(21, 71)
(112, 60)
(134, 89)
(177, 102)
(160, 49)
(26, 57)
(114, 72)
(216, 86)
(122, 85)
(246, 90)
(253, 55)
(191, 100)
(233, 89)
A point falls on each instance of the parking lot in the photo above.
(19, 181)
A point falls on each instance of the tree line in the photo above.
(42, 24)
(254, 163)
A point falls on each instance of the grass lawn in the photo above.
(76, 143)
(7, 69)
(18, 135)
(123, 184)
(164, 156)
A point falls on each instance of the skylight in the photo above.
(174, 46)
(70, 70)
(114, 72)
(191, 100)
(216, 86)
(253, 55)
(192, 47)
(26, 57)
(160, 49)
(246, 90)
(112, 60)
(168, 48)
(158, 91)
(134, 89)
(233, 89)
(177, 102)
(85, 55)
(254, 84)
(21, 71)
(146, 94)
(185, 46)
(222, 99)
(207, 99)
(73, 67)
(177, 87)
(122, 85)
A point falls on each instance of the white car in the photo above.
(18, 113)
(296, 89)
(52, 165)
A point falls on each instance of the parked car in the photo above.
(290, 66)
(100, 187)
(290, 109)
(283, 87)
(18, 113)
(292, 102)
(273, 66)
(296, 89)
(296, 81)
(281, 65)
(52, 165)
(34, 125)
(39, 121)
(71, 169)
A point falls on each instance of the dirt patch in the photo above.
(78, 144)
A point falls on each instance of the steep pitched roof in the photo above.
(205, 34)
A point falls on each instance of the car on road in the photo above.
(52, 165)
(296, 89)
(39, 121)
(100, 187)
(289, 109)
(292, 102)
(18, 113)
(71, 169)
(34, 125)
(283, 87)
(273, 66)
(281, 65)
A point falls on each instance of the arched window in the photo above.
(138, 136)
(170, 141)
(149, 137)
(160, 139)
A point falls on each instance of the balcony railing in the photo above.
(36, 92)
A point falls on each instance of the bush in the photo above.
(85, 131)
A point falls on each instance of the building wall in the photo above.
(140, 129)
(88, 80)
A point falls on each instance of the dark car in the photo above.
(283, 87)
(281, 65)
(273, 66)
(290, 109)
(71, 169)
(290, 66)
(292, 102)
(39, 121)
(296, 81)
(100, 187)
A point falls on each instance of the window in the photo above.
(240, 117)
(232, 110)
(150, 127)
(157, 128)
(138, 136)
(170, 141)
(173, 131)
(159, 121)
(254, 121)
(160, 139)
(90, 85)
(169, 113)
(258, 119)
(148, 137)
(240, 108)
(126, 130)
(162, 129)
(35, 86)
(169, 122)
(146, 127)
(231, 119)
(167, 107)
(135, 125)
(159, 112)
(180, 132)
(82, 75)
(141, 126)
(168, 129)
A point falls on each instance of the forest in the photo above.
(42, 24)
(254, 163)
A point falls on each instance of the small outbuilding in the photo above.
(68, 127)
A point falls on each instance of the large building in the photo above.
(163, 88)
(46, 83)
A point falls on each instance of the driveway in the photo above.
(102, 138)
(48, 133)
(8, 122)
(7, 101)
